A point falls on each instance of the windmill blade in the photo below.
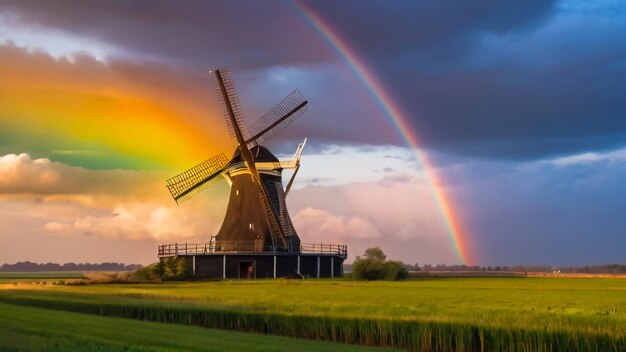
(281, 116)
(297, 158)
(229, 100)
(276, 231)
(202, 176)
(293, 177)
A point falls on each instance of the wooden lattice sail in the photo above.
(257, 214)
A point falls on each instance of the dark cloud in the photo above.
(258, 34)
(391, 30)
(542, 212)
(499, 80)
(496, 80)
(403, 158)
(511, 111)
(481, 79)
(242, 34)
(488, 79)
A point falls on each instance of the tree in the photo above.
(394, 270)
(184, 270)
(375, 253)
(367, 269)
(373, 266)
(173, 268)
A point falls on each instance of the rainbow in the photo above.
(383, 99)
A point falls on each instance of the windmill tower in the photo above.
(256, 220)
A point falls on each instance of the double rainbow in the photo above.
(458, 238)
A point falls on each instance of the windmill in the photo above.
(256, 217)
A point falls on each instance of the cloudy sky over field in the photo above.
(483, 132)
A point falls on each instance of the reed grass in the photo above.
(446, 315)
(10, 277)
(34, 329)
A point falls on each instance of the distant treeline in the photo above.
(596, 269)
(33, 267)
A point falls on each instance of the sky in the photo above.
(445, 132)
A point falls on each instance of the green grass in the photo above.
(44, 276)
(41, 275)
(36, 329)
(513, 314)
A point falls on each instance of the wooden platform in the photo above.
(249, 261)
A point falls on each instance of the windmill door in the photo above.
(247, 270)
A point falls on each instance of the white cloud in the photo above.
(71, 202)
(615, 156)
(389, 204)
(397, 214)
(56, 43)
(58, 229)
(61, 202)
(138, 221)
(338, 165)
(20, 174)
(314, 225)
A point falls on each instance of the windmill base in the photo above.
(265, 265)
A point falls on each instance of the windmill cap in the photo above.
(260, 153)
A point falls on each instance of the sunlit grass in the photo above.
(39, 277)
(532, 313)
(35, 329)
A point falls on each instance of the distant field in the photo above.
(529, 314)
(41, 275)
(8, 277)
(36, 329)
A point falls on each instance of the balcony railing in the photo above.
(245, 246)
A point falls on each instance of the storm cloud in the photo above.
(519, 106)
(486, 79)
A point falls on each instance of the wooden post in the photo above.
(298, 264)
(332, 267)
(274, 266)
(318, 266)
(224, 268)
(194, 265)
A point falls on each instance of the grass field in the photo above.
(45, 276)
(35, 329)
(513, 314)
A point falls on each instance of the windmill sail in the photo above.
(270, 212)
(277, 229)
(277, 232)
(296, 161)
(281, 116)
(202, 176)
(256, 225)
(229, 96)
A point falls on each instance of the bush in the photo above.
(367, 269)
(165, 270)
(395, 270)
(374, 266)
(147, 273)
(177, 268)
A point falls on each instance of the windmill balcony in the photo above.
(245, 246)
